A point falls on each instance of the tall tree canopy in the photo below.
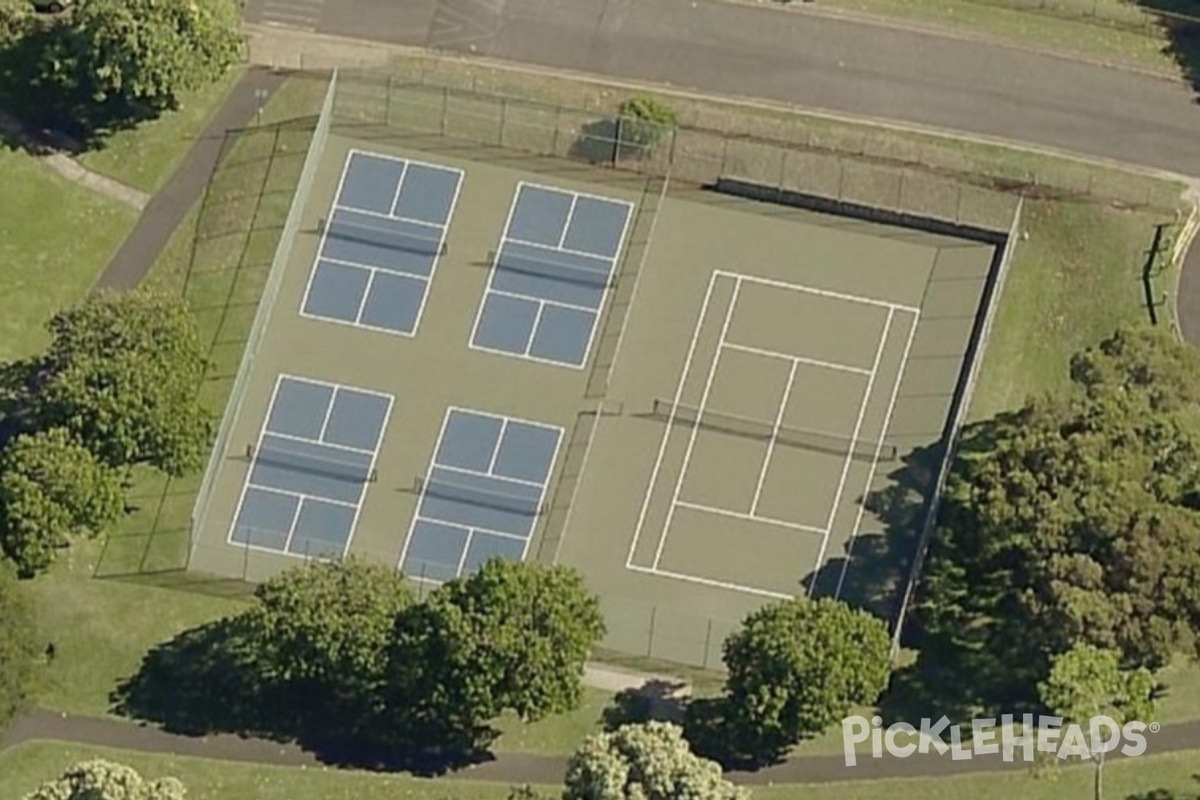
(19, 647)
(795, 668)
(105, 780)
(51, 489)
(513, 636)
(122, 374)
(1075, 519)
(648, 761)
(152, 51)
(320, 632)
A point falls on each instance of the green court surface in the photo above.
(756, 414)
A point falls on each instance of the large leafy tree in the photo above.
(648, 761)
(122, 373)
(513, 636)
(150, 52)
(51, 489)
(794, 668)
(1075, 520)
(105, 780)
(18, 646)
(320, 632)
(1087, 682)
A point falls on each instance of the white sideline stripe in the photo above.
(816, 362)
(750, 517)
(766, 465)
(687, 455)
(862, 412)
(798, 287)
(887, 421)
(734, 587)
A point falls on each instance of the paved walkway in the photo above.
(168, 208)
(520, 768)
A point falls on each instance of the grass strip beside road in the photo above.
(1107, 30)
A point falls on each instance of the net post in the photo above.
(650, 634)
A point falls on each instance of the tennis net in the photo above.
(473, 495)
(552, 270)
(386, 238)
(276, 456)
(735, 425)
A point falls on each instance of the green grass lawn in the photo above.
(145, 156)
(26, 766)
(55, 239)
(1120, 31)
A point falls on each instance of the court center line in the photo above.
(862, 412)
(516, 537)
(687, 454)
(742, 515)
(567, 225)
(537, 323)
(362, 493)
(416, 276)
(399, 186)
(733, 587)
(412, 525)
(328, 413)
(766, 465)
(670, 426)
(491, 470)
(798, 287)
(443, 232)
(362, 301)
(363, 326)
(462, 557)
(887, 421)
(816, 362)
(291, 533)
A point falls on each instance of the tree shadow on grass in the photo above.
(204, 681)
(654, 701)
(56, 109)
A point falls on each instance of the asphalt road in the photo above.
(798, 57)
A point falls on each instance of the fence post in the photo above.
(783, 156)
(958, 202)
(503, 120)
(445, 107)
(724, 155)
(387, 103)
(671, 152)
(246, 562)
(707, 644)
(557, 128)
(650, 637)
(841, 162)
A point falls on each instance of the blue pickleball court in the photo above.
(482, 494)
(550, 276)
(381, 243)
(310, 469)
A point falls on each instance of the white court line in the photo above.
(362, 494)
(734, 587)
(549, 248)
(862, 411)
(399, 185)
(362, 303)
(612, 200)
(362, 326)
(541, 300)
(366, 212)
(887, 421)
(687, 454)
(536, 359)
(749, 517)
(491, 470)
(477, 474)
(487, 290)
(437, 447)
(305, 440)
(291, 531)
(545, 488)
(533, 332)
(437, 257)
(662, 447)
(612, 268)
(237, 510)
(766, 465)
(815, 362)
(562, 237)
(298, 495)
(797, 287)
(328, 413)
(312, 272)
